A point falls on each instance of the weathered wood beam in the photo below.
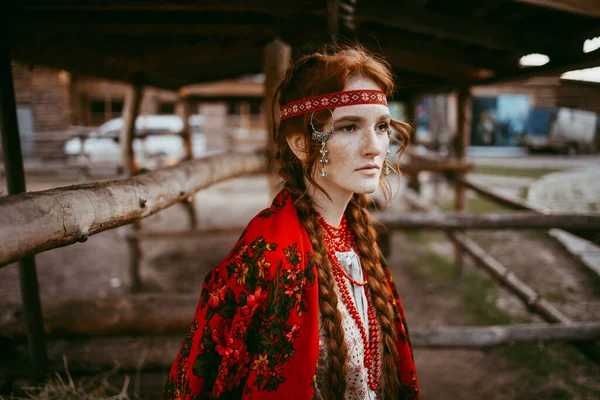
(589, 8)
(530, 298)
(188, 152)
(38, 221)
(508, 220)
(15, 179)
(278, 55)
(447, 50)
(164, 314)
(490, 336)
(333, 17)
(556, 66)
(191, 234)
(266, 7)
(518, 204)
(431, 65)
(132, 167)
(158, 352)
(28, 27)
(413, 168)
(125, 59)
(460, 144)
(498, 35)
(124, 315)
(508, 201)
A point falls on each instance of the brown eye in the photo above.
(384, 127)
(349, 128)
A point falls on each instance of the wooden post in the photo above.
(188, 204)
(333, 17)
(245, 117)
(107, 105)
(277, 60)
(411, 118)
(15, 179)
(131, 111)
(460, 145)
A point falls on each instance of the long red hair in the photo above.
(316, 74)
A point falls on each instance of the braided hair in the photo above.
(315, 74)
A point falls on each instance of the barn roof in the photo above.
(430, 43)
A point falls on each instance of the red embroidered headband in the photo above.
(332, 100)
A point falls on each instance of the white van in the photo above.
(565, 130)
(158, 141)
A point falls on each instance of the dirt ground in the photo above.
(421, 266)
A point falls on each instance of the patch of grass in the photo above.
(508, 171)
(550, 371)
(479, 295)
(476, 205)
(64, 387)
(423, 236)
(430, 266)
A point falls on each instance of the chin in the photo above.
(367, 189)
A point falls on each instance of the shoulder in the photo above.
(273, 242)
(277, 221)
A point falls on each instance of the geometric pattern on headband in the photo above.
(332, 100)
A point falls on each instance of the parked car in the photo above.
(157, 141)
(563, 130)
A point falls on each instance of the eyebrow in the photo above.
(352, 118)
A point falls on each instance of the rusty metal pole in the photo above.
(15, 177)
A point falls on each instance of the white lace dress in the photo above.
(357, 384)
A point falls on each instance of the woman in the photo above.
(302, 307)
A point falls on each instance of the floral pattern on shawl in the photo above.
(255, 331)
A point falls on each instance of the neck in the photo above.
(332, 210)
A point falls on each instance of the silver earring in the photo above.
(323, 159)
(322, 137)
(386, 166)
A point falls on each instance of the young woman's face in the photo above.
(357, 147)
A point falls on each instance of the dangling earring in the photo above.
(386, 164)
(323, 159)
(322, 137)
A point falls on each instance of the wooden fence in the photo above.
(34, 222)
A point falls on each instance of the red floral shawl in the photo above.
(255, 334)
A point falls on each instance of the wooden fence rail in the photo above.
(519, 204)
(157, 351)
(513, 220)
(34, 222)
(504, 276)
(153, 314)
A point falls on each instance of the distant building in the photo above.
(51, 101)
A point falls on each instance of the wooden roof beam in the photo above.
(28, 27)
(266, 7)
(416, 18)
(555, 67)
(582, 7)
(433, 66)
(449, 51)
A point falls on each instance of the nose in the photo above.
(371, 145)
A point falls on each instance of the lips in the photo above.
(368, 167)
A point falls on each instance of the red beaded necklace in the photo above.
(338, 239)
(341, 239)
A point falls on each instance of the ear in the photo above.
(298, 145)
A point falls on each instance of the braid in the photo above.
(358, 221)
(331, 317)
(310, 75)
